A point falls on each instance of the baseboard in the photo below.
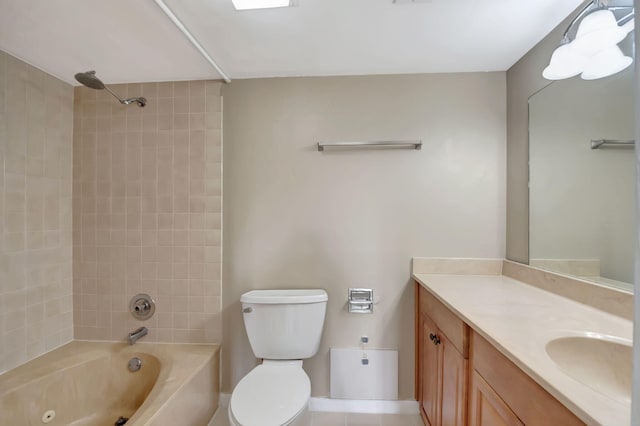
(347, 405)
(223, 400)
(223, 404)
(363, 406)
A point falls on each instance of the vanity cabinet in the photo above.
(442, 362)
(487, 408)
(502, 389)
(461, 379)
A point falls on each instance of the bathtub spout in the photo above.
(136, 335)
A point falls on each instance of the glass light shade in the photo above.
(565, 62)
(597, 31)
(259, 4)
(629, 26)
(605, 63)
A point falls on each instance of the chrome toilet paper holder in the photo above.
(360, 300)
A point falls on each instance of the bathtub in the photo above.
(89, 383)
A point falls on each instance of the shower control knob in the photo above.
(142, 306)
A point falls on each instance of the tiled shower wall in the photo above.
(35, 212)
(147, 211)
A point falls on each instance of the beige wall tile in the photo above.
(141, 198)
(35, 188)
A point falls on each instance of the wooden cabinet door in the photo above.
(487, 408)
(454, 380)
(430, 372)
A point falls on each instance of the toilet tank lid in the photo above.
(291, 296)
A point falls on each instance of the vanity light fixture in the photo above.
(605, 63)
(594, 51)
(260, 4)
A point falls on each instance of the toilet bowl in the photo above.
(275, 393)
(284, 327)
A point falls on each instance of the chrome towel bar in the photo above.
(412, 144)
(597, 143)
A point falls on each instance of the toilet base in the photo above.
(275, 393)
(302, 419)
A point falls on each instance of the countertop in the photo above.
(520, 319)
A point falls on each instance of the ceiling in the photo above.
(133, 41)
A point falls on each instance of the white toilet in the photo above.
(284, 327)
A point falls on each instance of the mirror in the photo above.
(582, 200)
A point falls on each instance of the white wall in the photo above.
(295, 217)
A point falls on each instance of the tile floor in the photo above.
(344, 419)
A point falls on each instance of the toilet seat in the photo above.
(272, 394)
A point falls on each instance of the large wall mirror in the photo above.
(581, 195)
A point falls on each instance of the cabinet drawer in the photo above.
(449, 324)
(528, 400)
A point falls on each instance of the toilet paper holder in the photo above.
(360, 300)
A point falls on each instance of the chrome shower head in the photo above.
(90, 80)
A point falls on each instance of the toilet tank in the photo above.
(284, 324)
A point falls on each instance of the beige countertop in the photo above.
(519, 320)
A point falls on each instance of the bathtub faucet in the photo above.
(136, 335)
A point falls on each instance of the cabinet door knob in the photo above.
(434, 338)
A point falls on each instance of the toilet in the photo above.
(284, 328)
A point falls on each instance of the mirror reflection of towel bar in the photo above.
(597, 143)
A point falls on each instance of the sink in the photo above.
(601, 362)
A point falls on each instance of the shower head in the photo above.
(90, 80)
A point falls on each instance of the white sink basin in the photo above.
(603, 363)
